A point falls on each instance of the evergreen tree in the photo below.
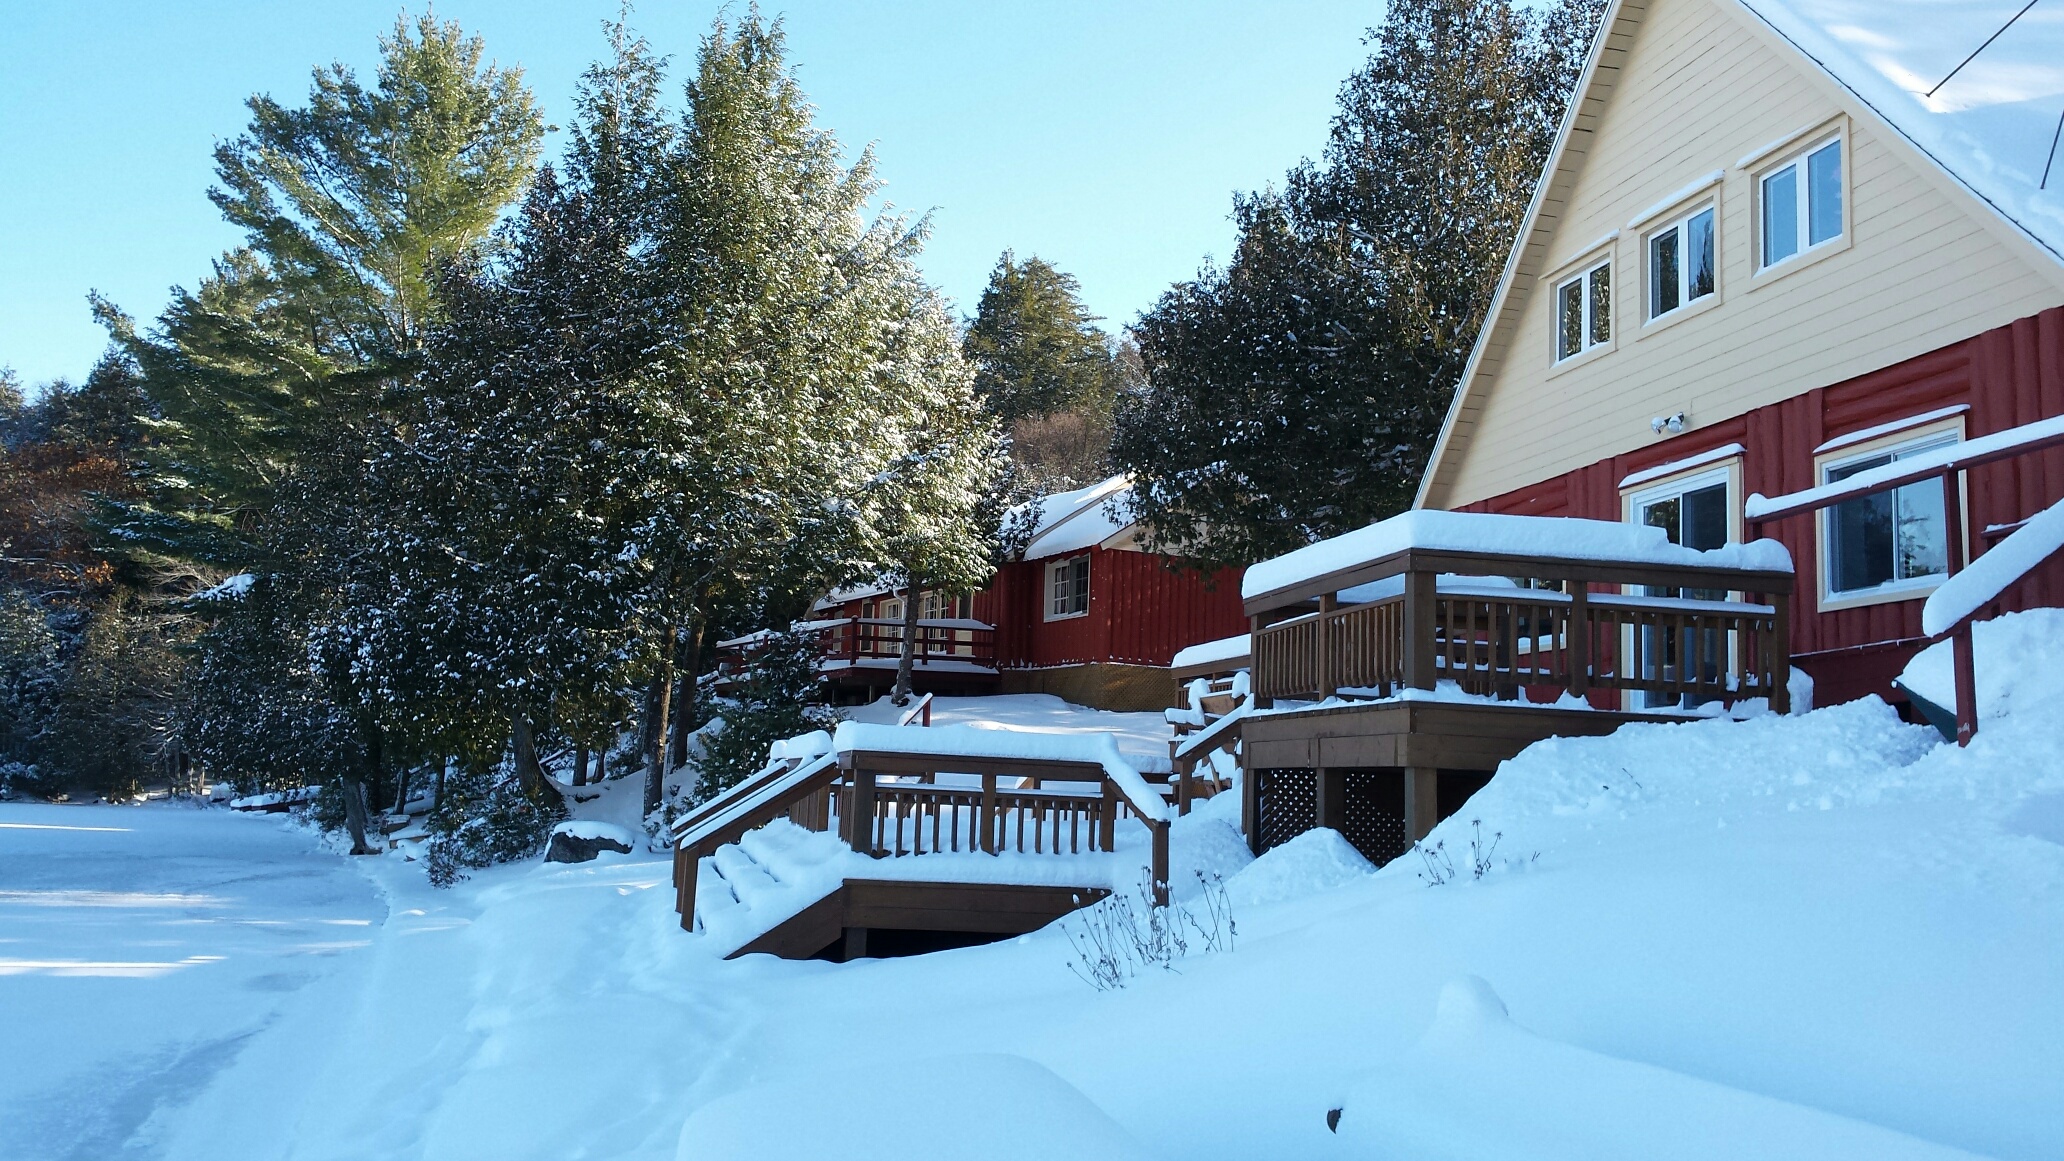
(348, 205)
(1046, 372)
(782, 695)
(1295, 393)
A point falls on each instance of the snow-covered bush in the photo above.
(1127, 935)
(487, 819)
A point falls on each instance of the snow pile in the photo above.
(1478, 1085)
(2015, 658)
(1561, 537)
(988, 1106)
(1313, 862)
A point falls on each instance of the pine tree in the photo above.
(1295, 392)
(1046, 372)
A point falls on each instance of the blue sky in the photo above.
(1104, 137)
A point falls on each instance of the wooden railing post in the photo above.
(985, 816)
(1328, 668)
(861, 825)
(1110, 839)
(1578, 634)
(1779, 652)
(1420, 594)
(1962, 660)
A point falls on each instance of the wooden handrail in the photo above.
(1495, 642)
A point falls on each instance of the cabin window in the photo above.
(1583, 312)
(936, 607)
(1802, 203)
(1680, 263)
(1696, 511)
(1891, 541)
(1067, 588)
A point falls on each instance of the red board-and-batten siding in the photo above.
(1141, 611)
(2008, 376)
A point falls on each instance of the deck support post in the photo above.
(1422, 801)
(1331, 794)
(1420, 593)
(855, 944)
(1254, 627)
(1250, 806)
(1160, 869)
(1781, 654)
(687, 864)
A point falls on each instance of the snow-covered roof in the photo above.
(1991, 126)
(1072, 521)
(1553, 537)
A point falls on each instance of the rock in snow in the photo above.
(579, 841)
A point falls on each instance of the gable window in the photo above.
(1802, 203)
(1583, 311)
(1067, 583)
(1891, 541)
(1680, 263)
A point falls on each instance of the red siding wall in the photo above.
(1141, 612)
(2010, 376)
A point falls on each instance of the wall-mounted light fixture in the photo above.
(1674, 424)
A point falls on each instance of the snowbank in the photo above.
(988, 1106)
(1478, 1085)
(1223, 649)
(2015, 658)
(1313, 862)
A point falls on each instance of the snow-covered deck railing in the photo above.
(1504, 603)
(1212, 658)
(1956, 457)
(893, 791)
(1952, 613)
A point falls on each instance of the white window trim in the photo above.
(1581, 271)
(1836, 132)
(1913, 589)
(1685, 307)
(1054, 566)
(1693, 477)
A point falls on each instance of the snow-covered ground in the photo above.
(1829, 936)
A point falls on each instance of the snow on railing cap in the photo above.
(1556, 537)
(994, 741)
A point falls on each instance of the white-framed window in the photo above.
(1697, 510)
(1682, 263)
(1583, 311)
(1067, 586)
(1889, 543)
(1800, 204)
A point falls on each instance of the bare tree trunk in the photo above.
(658, 700)
(911, 604)
(437, 799)
(528, 772)
(401, 781)
(580, 765)
(355, 816)
(601, 763)
(684, 700)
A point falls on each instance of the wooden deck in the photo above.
(860, 655)
(912, 803)
(1426, 669)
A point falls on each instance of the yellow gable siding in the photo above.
(1698, 91)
